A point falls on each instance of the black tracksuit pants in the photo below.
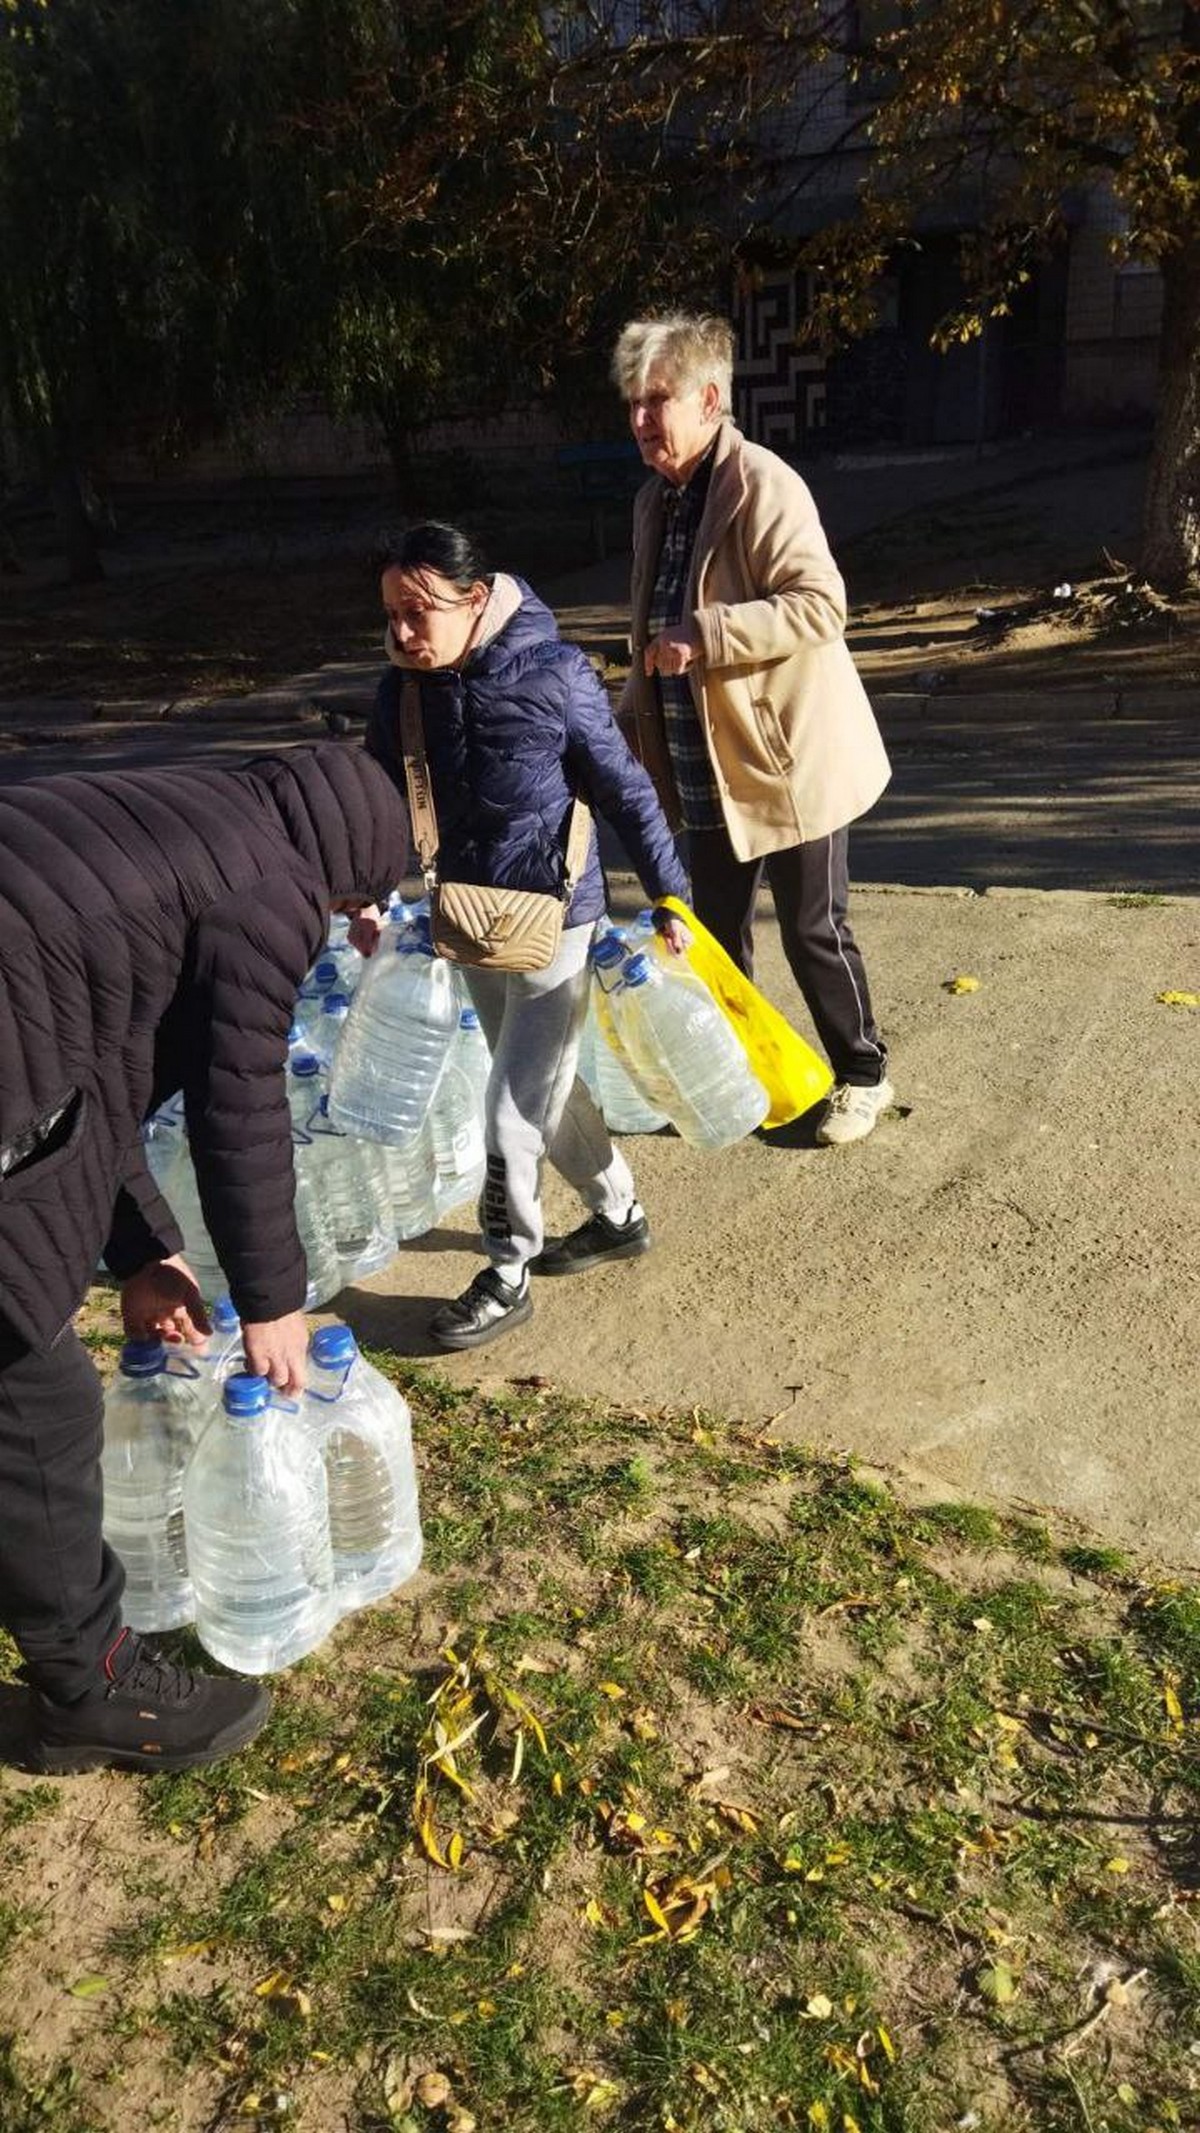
(811, 887)
(60, 1585)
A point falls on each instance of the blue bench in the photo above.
(603, 472)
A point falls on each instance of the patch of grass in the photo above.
(965, 1522)
(705, 1785)
(1136, 900)
(19, 1807)
(40, 2103)
(1093, 1560)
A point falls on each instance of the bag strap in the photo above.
(424, 815)
(416, 777)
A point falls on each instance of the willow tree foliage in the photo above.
(161, 243)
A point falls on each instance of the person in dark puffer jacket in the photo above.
(515, 726)
(154, 928)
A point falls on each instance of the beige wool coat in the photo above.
(793, 741)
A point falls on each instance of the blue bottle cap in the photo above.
(333, 1347)
(468, 1019)
(143, 1359)
(224, 1315)
(244, 1394)
(305, 1065)
(608, 950)
(336, 1003)
(325, 972)
(637, 969)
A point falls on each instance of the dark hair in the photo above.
(433, 545)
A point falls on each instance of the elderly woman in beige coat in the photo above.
(746, 704)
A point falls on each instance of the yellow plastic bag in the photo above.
(793, 1075)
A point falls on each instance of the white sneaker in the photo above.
(853, 1113)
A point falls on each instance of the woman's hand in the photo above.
(672, 932)
(163, 1302)
(365, 929)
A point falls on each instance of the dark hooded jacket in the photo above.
(154, 928)
(511, 739)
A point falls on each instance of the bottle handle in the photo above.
(330, 1399)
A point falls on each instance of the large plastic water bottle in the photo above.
(223, 1354)
(182, 1194)
(625, 1106)
(682, 1053)
(256, 1512)
(313, 1220)
(325, 1033)
(456, 1117)
(396, 1040)
(364, 1428)
(322, 979)
(338, 949)
(412, 1176)
(154, 1411)
(162, 1139)
(357, 1194)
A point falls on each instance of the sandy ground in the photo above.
(996, 1293)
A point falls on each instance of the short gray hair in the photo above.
(688, 348)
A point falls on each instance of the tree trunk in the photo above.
(76, 532)
(1171, 526)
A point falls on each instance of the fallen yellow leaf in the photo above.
(1178, 999)
(962, 983)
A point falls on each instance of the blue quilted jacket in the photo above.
(511, 738)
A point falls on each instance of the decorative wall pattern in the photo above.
(778, 388)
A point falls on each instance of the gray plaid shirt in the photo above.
(686, 745)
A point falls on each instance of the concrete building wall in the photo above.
(1113, 317)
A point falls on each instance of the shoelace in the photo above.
(153, 1674)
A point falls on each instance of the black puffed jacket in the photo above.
(154, 928)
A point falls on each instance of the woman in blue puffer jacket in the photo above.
(516, 725)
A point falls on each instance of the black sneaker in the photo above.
(488, 1308)
(595, 1241)
(153, 1716)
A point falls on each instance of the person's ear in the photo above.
(710, 400)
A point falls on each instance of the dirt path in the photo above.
(997, 1293)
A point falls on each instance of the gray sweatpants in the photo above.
(533, 1021)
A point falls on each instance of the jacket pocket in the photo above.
(774, 739)
(36, 1169)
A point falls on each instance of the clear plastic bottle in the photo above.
(396, 1041)
(313, 1222)
(357, 1194)
(682, 1053)
(154, 1412)
(256, 1513)
(162, 1138)
(182, 1194)
(321, 980)
(456, 1117)
(324, 1035)
(223, 1354)
(338, 949)
(364, 1428)
(625, 1106)
(412, 1177)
